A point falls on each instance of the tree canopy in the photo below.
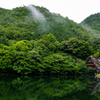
(46, 45)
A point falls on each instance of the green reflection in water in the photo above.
(48, 88)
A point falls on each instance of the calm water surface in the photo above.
(49, 88)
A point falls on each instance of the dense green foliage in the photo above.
(20, 24)
(45, 55)
(92, 24)
(77, 47)
(48, 43)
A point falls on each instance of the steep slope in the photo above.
(27, 23)
(93, 22)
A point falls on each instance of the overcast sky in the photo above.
(76, 10)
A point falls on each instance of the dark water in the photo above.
(49, 88)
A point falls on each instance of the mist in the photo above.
(37, 15)
(44, 26)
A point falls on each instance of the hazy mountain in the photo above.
(92, 22)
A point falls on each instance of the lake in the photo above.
(49, 88)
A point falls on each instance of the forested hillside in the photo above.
(20, 23)
(92, 23)
(34, 40)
